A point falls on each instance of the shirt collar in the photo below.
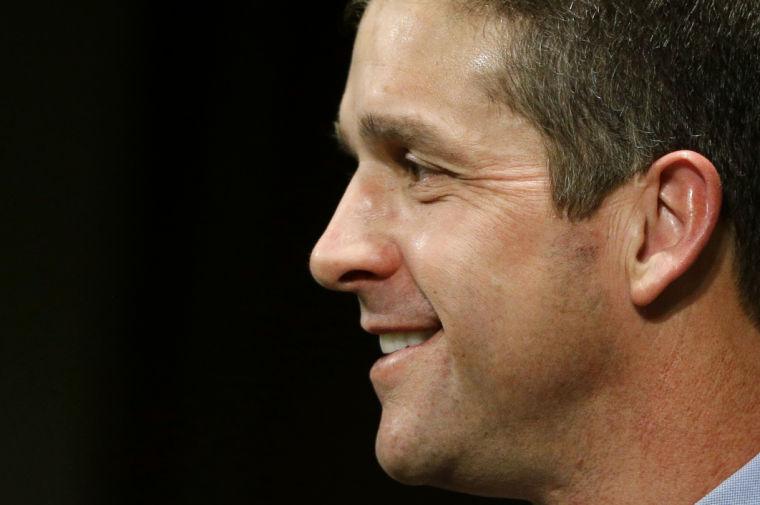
(742, 488)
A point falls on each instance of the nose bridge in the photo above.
(357, 243)
(363, 206)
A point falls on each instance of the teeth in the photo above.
(392, 342)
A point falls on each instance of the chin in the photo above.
(427, 466)
(417, 453)
(403, 467)
(411, 457)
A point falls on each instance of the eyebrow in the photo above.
(407, 131)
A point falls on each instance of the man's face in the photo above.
(447, 228)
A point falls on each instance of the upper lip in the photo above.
(399, 328)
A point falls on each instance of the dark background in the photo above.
(165, 168)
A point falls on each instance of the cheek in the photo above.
(523, 318)
(483, 287)
(466, 261)
(527, 356)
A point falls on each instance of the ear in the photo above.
(675, 217)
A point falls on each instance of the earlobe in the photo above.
(677, 213)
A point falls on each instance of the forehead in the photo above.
(432, 63)
(419, 49)
(412, 28)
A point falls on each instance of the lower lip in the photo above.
(390, 364)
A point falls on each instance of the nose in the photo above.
(357, 247)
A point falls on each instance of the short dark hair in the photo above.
(615, 84)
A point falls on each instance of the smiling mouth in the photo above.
(392, 342)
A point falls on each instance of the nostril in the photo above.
(347, 262)
(356, 276)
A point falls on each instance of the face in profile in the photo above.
(487, 303)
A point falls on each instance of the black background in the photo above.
(165, 169)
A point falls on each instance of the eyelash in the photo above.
(417, 168)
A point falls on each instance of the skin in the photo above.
(569, 359)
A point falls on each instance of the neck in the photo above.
(684, 417)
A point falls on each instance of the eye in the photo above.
(418, 169)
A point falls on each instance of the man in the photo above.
(554, 230)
